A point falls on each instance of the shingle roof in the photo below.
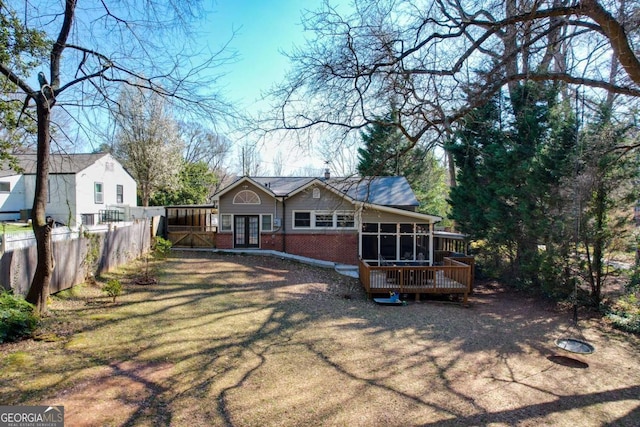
(282, 186)
(58, 163)
(381, 190)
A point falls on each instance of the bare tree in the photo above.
(204, 145)
(249, 158)
(430, 58)
(93, 52)
(147, 141)
(278, 164)
(341, 161)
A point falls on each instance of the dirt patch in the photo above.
(258, 341)
(126, 390)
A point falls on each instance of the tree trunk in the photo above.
(39, 290)
(599, 243)
(509, 39)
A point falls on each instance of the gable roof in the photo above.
(284, 186)
(383, 190)
(58, 163)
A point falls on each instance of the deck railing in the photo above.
(452, 277)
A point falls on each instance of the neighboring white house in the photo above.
(83, 189)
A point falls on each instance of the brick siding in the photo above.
(340, 248)
(270, 241)
(224, 241)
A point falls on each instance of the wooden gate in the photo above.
(192, 226)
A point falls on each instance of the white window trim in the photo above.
(293, 220)
(264, 229)
(230, 223)
(259, 202)
(121, 195)
(397, 235)
(96, 193)
(314, 219)
(353, 214)
(334, 225)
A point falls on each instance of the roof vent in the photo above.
(327, 173)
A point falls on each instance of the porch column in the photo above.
(431, 228)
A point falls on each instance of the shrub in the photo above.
(113, 288)
(625, 313)
(161, 247)
(17, 317)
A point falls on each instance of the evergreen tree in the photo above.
(605, 189)
(387, 152)
(509, 161)
(383, 149)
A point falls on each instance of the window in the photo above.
(316, 193)
(370, 227)
(345, 221)
(267, 223)
(98, 192)
(323, 221)
(87, 219)
(225, 222)
(388, 228)
(406, 228)
(246, 197)
(403, 241)
(5, 187)
(302, 219)
(119, 194)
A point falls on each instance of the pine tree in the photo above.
(510, 161)
(383, 148)
(387, 152)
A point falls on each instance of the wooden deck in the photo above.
(452, 277)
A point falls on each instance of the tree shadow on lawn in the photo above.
(240, 340)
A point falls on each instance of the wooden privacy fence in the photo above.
(452, 277)
(83, 253)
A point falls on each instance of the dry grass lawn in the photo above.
(257, 341)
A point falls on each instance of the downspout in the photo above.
(284, 222)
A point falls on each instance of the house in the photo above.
(83, 189)
(340, 220)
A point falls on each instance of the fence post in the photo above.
(3, 246)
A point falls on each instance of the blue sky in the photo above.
(264, 29)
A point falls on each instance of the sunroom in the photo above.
(400, 251)
(389, 234)
(403, 242)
